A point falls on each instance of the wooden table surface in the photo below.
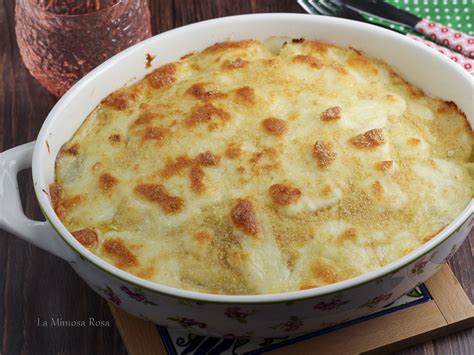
(35, 284)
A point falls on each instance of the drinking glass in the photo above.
(62, 40)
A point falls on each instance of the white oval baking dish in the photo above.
(220, 315)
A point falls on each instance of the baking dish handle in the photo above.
(12, 217)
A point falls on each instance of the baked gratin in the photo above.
(239, 170)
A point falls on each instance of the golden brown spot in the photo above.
(235, 64)
(265, 161)
(116, 250)
(208, 159)
(394, 76)
(415, 92)
(64, 206)
(55, 193)
(348, 235)
(186, 56)
(233, 152)
(297, 40)
(144, 106)
(432, 235)
(324, 272)
(120, 100)
(107, 182)
(154, 133)
(384, 165)
(467, 125)
(275, 126)
(182, 162)
(339, 68)
(369, 139)
(307, 286)
(377, 189)
(222, 46)
(146, 272)
(199, 92)
(87, 237)
(447, 107)
(413, 142)
(269, 62)
(205, 114)
(162, 77)
(270, 152)
(212, 126)
(331, 114)
(158, 194)
(72, 201)
(149, 60)
(323, 153)
(196, 174)
(195, 66)
(144, 118)
(244, 217)
(72, 150)
(307, 59)
(284, 195)
(174, 167)
(390, 98)
(246, 94)
(318, 46)
(202, 237)
(326, 190)
(363, 64)
(114, 138)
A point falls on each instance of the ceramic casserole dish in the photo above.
(224, 315)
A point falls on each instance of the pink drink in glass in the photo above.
(62, 40)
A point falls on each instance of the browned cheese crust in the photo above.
(241, 170)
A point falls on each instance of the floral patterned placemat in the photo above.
(180, 342)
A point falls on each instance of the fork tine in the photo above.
(307, 6)
(319, 8)
(330, 5)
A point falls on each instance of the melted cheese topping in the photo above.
(241, 171)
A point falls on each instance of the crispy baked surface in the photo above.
(240, 171)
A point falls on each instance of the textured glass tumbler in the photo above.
(62, 40)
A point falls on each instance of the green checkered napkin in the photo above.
(457, 14)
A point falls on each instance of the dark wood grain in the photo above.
(35, 284)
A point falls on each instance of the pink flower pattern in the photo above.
(375, 301)
(137, 295)
(326, 306)
(237, 314)
(291, 325)
(111, 296)
(419, 266)
(188, 322)
(450, 255)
